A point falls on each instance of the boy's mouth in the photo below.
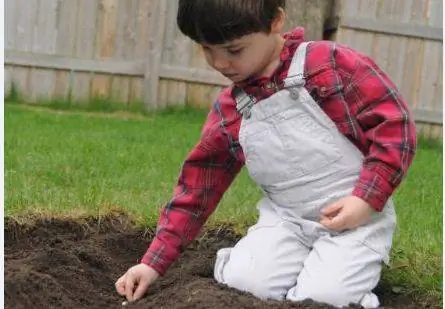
(229, 75)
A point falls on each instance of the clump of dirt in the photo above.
(69, 264)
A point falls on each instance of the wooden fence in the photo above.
(131, 51)
(405, 38)
(125, 51)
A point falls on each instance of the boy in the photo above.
(325, 134)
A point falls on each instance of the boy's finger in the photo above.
(129, 286)
(140, 290)
(332, 209)
(120, 287)
(337, 223)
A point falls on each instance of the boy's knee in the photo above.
(332, 293)
(239, 273)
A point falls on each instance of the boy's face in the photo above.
(252, 55)
(242, 58)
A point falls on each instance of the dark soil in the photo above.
(66, 264)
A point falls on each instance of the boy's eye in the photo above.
(235, 51)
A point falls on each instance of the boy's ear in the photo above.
(278, 22)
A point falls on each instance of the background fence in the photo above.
(405, 38)
(131, 51)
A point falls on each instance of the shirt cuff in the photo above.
(373, 188)
(156, 257)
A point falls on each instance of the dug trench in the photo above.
(65, 264)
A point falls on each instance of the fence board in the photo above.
(105, 43)
(142, 23)
(124, 47)
(404, 37)
(65, 44)
(132, 50)
(84, 48)
(10, 38)
(42, 81)
(155, 43)
(24, 39)
(430, 75)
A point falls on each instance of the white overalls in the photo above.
(295, 153)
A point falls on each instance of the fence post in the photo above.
(154, 56)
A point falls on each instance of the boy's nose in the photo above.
(221, 64)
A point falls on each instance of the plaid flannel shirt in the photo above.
(351, 89)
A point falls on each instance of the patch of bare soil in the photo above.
(68, 264)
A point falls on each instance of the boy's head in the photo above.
(240, 38)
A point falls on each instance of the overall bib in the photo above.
(302, 163)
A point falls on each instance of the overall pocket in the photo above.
(308, 145)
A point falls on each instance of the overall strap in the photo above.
(295, 76)
(244, 102)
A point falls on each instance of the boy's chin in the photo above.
(238, 79)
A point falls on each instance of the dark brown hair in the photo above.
(220, 21)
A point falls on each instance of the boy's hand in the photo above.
(135, 282)
(347, 213)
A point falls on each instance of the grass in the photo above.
(71, 162)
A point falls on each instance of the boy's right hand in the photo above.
(135, 282)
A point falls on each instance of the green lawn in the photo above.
(76, 162)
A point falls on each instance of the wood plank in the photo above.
(65, 45)
(362, 40)
(153, 64)
(8, 80)
(380, 50)
(10, 23)
(428, 116)
(66, 27)
(387, 27)
(125, 67)
(398, 51)
(163, 87)
(177, 53)
(411, 82)
(142, 24)
(10, 38)
(24, 41)
(25, 24)
(397, 44)
(202, 76)
(43, 80)
(349, 8)
(438, 93)
(62, 85)
(367, 9)
(437, 132)
(435, 13)
(124, 47)
(130, 68)
(429, 75)
(136, 95)
(202, 96)
(84, 47)
(105, 43)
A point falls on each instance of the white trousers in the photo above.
(276, 260)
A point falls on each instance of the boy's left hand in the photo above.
(347, 213)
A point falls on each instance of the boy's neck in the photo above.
(274, 59)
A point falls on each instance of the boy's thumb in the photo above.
(141, 289)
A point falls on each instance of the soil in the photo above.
(55, 263)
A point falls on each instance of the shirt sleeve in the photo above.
(206, 174)
(386, 122)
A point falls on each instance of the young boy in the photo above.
(325, 134)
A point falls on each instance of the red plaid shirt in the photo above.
(361, 100)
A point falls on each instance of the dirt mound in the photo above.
(66, 264)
